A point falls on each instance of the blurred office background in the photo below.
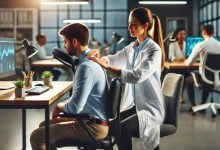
(112, 16)
(21, 19)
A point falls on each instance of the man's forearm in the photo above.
(60, 106)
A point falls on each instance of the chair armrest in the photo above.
(195, 75)
(76, 116)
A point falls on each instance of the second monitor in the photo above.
(191, 41)
(7, 57)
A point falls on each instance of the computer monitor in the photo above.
(191, 41)
(7, 57)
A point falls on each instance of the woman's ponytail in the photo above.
(158, 36)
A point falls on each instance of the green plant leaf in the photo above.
(19, 83)
(47, 74)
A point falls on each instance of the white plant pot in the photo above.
(19, 92)
(48, 81)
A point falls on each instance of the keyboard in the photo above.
(37, 90)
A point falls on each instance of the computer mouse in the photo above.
(39, 84)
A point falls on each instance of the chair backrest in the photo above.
(211, 69)
(171, 89)
(113, 107)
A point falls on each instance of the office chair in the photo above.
(210, 75)
(113, 113)
(171, 88)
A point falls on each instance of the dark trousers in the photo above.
(185, 73)
(129, 129)
(206, 89)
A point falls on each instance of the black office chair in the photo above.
(113, 113)
(171, 89)
(210, 75)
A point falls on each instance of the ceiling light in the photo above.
(64, 2)
(163, 2)
(82, 21)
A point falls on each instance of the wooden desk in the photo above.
(47, 63)
(180, 65)
(43, 101)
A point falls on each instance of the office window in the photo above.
(214, 9)
(49, 19)
(117, 4)
(99, 16)
(62, 16)
(113, 14)
(209, 12)
(74, 7)
(99, 4)
(218, 5)
(118, 19)
(218, 31)
(215, 26)
(100, 33)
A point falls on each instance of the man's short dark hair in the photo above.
(76, 30)
(39, 36)
(209, 29)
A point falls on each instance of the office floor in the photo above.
(199, 132)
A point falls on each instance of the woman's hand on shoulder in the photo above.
(101, 61)
(93, 53)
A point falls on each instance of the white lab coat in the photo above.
(148, 95)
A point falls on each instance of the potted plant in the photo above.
(19, 88)
(47, 77)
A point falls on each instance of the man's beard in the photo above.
(73, 50)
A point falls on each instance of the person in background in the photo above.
(177, 54)
(139, 66)
(42, 55)
(89, 95)
(177, 49)
(209, 44)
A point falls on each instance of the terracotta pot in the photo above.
(48, 81)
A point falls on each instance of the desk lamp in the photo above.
(30, 49)
(116, 38)
(169, 37)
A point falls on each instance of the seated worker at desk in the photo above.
(177, 54)
(42, 55)
(209, 44)
(177, 49)
(89, 94)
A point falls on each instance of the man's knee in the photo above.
(189, 80)
(36, 136)
(33, 136)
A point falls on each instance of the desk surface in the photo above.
(47, 63)
(7, 97)
(180, 65)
